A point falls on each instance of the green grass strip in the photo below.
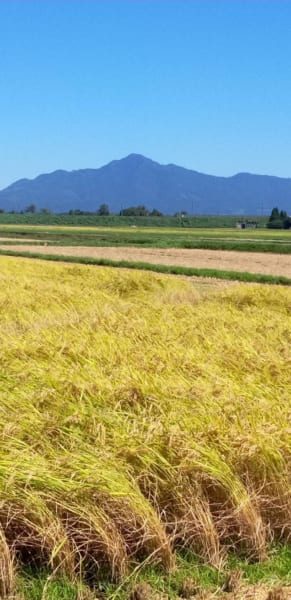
(151, 239)
(169, 269)
(275, 571)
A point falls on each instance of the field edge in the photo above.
(239, 276)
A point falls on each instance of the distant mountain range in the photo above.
(136, 180)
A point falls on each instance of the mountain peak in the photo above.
(137, 158)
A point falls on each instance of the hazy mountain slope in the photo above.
(139, 180)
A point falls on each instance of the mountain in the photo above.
(138, 180)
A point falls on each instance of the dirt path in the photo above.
(253, 262)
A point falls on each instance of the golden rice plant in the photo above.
(139, 414)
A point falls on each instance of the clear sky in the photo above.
(205, 84)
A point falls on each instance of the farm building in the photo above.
(247, 224)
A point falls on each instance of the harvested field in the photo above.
(252, 262)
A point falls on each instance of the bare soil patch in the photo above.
(252, 262)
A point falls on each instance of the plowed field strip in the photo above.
(252, 262)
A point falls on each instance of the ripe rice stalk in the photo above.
(7, 568)
(190, 524)
(267, 475)
(117, 495)
(142, 531)
(98, 547)
(36, 536)
(139, 413)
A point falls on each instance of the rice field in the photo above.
(141, 415)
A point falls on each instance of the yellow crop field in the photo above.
(140, 414)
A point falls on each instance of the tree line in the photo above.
(103, 211)
(279, 219)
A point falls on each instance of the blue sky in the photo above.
(204, 84)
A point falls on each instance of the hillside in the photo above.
(138, 180)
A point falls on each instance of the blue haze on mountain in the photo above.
(136, 180)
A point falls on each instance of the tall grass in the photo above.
(139, 414)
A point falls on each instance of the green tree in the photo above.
(283, 215)
(287, 223)
(275, 215)
(277, 219)
(31, 208)
(103, 210)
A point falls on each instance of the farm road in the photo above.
(252, 262)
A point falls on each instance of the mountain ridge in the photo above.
(138, 180)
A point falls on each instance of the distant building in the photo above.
(247, 224)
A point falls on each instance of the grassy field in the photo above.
(259, 240)
(143, 417)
